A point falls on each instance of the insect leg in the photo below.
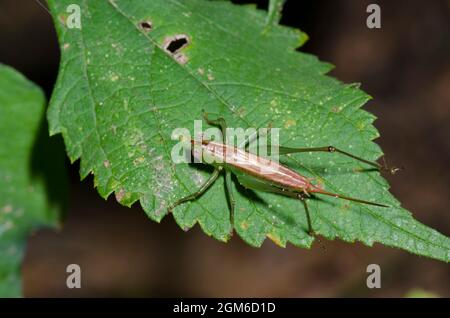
(303, 198)
(230, 197)
(330, 149)
(253, 184)
(217, 122)
(223, 127)
(199, 192)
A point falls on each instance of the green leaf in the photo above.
(120, 94)
(25, 201)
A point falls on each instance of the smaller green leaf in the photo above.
(420, 293)
(29, 168)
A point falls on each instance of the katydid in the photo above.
(275, 178)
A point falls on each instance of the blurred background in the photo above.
(405, 66)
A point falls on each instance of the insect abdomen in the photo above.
(257, 166)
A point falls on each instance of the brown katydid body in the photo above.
(260, 173)
(255, 166)
(274, 173)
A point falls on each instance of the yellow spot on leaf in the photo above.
(138, 161)
(360, 125)
(244, 225)
(289, 123)
(276, 239)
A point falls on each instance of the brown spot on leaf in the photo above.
(120, 195)
(7, 209)
(181, 58)
(336, 109)
(62, 18)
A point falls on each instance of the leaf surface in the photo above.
(121, 93)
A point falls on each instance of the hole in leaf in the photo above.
(146, 25)
(176, 43)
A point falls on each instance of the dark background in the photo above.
(405, 66)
